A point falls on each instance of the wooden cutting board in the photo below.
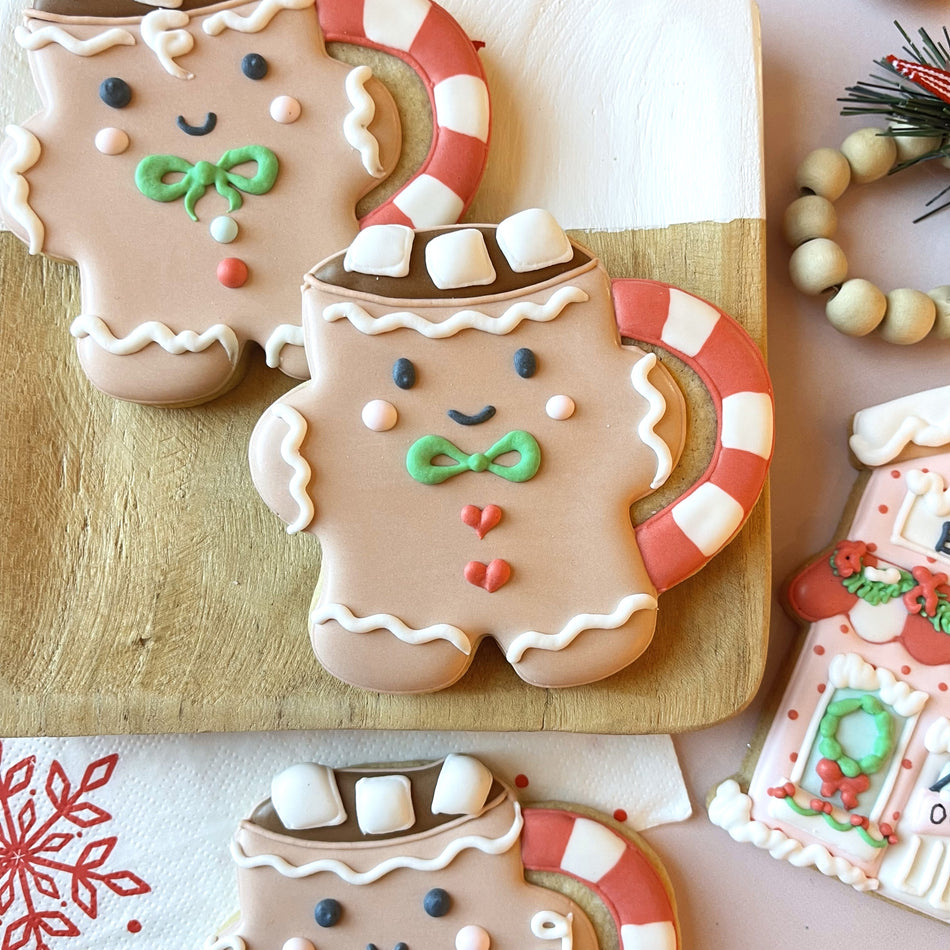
(146, 588)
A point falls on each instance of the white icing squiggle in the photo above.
(356, 124)
(624, 610)
(263, 13)
(491, 846)
(930, 487)
(463, 320)
(187, 341)
(353, 624)
(640, 377)
(731, 810)
(164, 34)
(285, 334)
(290, 453)
(26, 154)
(36, 39)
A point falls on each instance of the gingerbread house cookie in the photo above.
(853, 777)
(471, 440)
(433, 855)
(195, 158)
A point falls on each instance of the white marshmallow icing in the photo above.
(305, 795)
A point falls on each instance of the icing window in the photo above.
(115, 93)
(922, 523)
(254, 66)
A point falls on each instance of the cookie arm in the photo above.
(281, 474)
(681, 538)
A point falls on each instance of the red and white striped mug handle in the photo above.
(612, 865)
(435, 46)
(681, 538)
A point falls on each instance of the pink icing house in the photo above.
(854, 774)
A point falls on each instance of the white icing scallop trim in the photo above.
(254, 22)
(164, 34)
(26, 153)
(462, 320)
(491, 846)
(33, 40)
(353, 624)
(937, 738)
(881, 433)
(356, 124)
(851, 671)
(284, 334)
(640, 377)
(624, 610)
(187, 341)
(731, 810)
(290, 453)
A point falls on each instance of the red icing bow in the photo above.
(834, 780)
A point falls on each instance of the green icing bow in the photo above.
(423, 451)
(151, 171)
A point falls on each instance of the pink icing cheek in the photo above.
(560, 408)
(285, 109)
(379, 415)
(472, 937)
(298, 943)
(111, 141)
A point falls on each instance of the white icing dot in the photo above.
(285, 109)
(224, 229)
(111, 141)
(298, 943)
(472, 937)
(379, 415)
(560, 407)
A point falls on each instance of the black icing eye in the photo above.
(115, 92)
(526, 363)
(404, 373)
(254, 66)
(437, 902)
(328, 912)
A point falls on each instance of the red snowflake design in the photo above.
(43, 858)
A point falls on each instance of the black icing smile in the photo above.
(211, 120)
(477, 419)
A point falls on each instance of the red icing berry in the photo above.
(882, 509)
(521, 781)
(620, 815)
(942, 687)
(819, 650)
(232, 272)
(133, 926)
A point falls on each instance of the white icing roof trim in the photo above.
(455, 847)
(462, 320)
(881, 433)
(851, 671)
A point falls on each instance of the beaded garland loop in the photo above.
(914, 96)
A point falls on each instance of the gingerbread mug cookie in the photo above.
(434, 855)
(470, 443)
(193, 158)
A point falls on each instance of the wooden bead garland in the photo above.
(818, 265)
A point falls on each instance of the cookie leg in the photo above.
(592, 655)
(156, 376)
(358, 658)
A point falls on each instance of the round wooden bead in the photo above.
(810, 216)
(857, 308)
(941, 298)
(910, 147)
(824, 172)
(870, 154)
(909, 317)
(817, 266)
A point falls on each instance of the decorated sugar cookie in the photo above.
(195, 158)
(470, 443)
(854, 775)
(433, 855)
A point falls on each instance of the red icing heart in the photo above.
(481, 519)
(488, 576)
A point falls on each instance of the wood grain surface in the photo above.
(146, 588)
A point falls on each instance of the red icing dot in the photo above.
(793, 714)
(942, 687)
(896, 816)
(819, 650)
(521, 781)
(843, 628)
(895, 474)
(882, 509)
(793, 757)
(906, 764)
(232, 272)
(133, 926)
(822, 687)
(620, 815)
(905, 670)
